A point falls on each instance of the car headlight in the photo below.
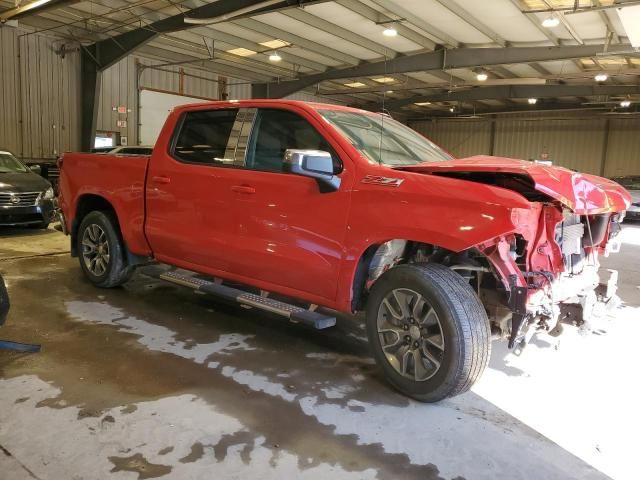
(48, 194)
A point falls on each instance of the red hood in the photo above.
(581, 192)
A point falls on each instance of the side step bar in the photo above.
(295, 314)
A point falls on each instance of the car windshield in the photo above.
(383, 140)
(9, 164)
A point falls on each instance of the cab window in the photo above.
(275, 131)
(204, 136)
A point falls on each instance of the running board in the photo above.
(295, 314)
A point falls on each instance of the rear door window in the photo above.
(205, 137)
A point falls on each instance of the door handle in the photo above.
(243, 189)
(162, 180)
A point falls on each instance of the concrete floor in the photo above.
(152, 380)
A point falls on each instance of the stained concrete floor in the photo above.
(151, 380)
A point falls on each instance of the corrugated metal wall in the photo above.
(39, 100)
(572, 140)
(462, 138)
(623, 152)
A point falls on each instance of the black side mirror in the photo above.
(35, 169)
(315, 164)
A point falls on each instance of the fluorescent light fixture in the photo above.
(625, 103)
(601, 77)
(277, 43)
(482, 76)
(532, 101)
(241, 52)
(630, 18)
(389, 91)
(551, 22)
(452, 109)
(275, 57)
(355, 85)
(390, 32)
(422, 104)
(384, 79)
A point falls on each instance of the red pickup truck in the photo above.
(303, 209)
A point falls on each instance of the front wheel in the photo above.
(428, 331)
(101, 250)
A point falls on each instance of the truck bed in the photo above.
(120, 179)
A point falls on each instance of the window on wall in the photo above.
(204, 137)
(275, 131)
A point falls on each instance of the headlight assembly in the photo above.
(48, 194)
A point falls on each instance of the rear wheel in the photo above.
(101, 250)
(428, 331)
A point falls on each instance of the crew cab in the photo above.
(304, 209)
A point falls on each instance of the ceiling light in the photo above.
(277, 43)
(625, 103)
(452, 109)
(532, 101)
(275, 57)
(601, 77)
(390, 32)
(422, 104)
(384, 79)
(241, 52)
(389, 91)
(482, 76)
(355, 85)
(551, 22)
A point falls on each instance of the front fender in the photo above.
(445, 212)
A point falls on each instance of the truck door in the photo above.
(189, 192)
(288, 233)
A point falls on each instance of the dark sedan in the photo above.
(25, 197)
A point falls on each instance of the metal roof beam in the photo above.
(382, 19)
(32, 8)
(460, 12)
(518, 91)
(333, 29)
(434, 33)
(265, 29)
(434, 61)
(110, 51)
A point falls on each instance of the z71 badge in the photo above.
(384, 181)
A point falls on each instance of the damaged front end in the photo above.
(549, 271)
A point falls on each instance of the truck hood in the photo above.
(581, 192)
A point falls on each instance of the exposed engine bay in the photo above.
(532, 280)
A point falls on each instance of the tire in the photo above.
(103, 226)
(437, 365)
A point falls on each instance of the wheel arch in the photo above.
(87, 203)
(361, 281)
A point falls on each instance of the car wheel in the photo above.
(101, 250)
(428, 331)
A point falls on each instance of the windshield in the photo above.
(9, 163)
(383, 140)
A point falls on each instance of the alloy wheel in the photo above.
(410, 334)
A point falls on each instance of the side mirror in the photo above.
(315, 164)
(35, 169)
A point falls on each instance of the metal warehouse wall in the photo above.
(587, 142)
(39, 93)
(39, 107)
